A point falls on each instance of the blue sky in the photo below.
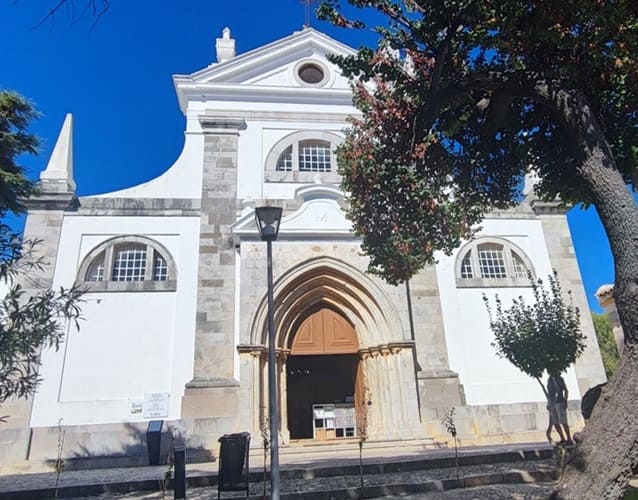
(115, 77)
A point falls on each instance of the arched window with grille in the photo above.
(492, 262)
(302, 156)
(128, 263)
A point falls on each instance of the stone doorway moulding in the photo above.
(385, 357)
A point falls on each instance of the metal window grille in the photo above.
(520, 271)
(129, 264)
(160, 268)
(314, 156)
(492, 261)
(466, 266)
(96, 271)
(284, 163)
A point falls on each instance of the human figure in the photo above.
(557, 405)
(550, 426)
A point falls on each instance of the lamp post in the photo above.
(268, 219)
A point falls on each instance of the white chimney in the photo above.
(225, 46)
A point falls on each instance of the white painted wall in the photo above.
(182, 180)
(486, 378)
(131, 343)
(255, 142)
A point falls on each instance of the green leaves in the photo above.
(15, 114)
(451, 114)
(542, 336)
(30, 322)
(606, 342)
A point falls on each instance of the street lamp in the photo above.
(268, 219)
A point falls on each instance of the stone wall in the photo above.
(496, 424)
(589, 366)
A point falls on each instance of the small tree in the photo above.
(541, 336)
(450, 427)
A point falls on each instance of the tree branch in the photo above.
(97, 7)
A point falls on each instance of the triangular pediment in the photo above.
(272, 66)
(262, 63)
(320, 216)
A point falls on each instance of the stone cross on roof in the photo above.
(307, 4)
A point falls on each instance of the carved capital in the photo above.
(256, 351)
(385, 349)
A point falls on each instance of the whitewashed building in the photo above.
(176, 307)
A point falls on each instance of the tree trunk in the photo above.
(602, 462)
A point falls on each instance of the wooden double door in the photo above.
(323, 367)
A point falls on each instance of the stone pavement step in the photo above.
(308, 445)
(381, 491)
(414, 485)
(94, 482)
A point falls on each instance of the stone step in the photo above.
(311, 446)
(336, 478)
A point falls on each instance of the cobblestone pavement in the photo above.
(309, 459)
(521, 492)
(494, 492)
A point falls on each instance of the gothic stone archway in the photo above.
(384, 356)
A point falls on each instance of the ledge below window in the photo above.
(130, 286)
(302, 177)
(493, 283)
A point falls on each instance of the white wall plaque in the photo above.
(136, 407)
(155, 405)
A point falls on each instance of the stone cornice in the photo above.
(216, 92)
(541, 207)
(139, 206)
(52, 201)
(200, 383)
(280, 116)
(221, 124)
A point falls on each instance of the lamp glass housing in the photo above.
(268, 220)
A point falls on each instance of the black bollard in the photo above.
(179, 484)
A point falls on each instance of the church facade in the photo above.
(175, 322)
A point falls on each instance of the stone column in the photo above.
(392, 412)
(438, 385)
(589, 367)
(213, 391)
(282, 397)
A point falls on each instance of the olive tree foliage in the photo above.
(543, 336)
(462, 98)
(31, 318)
(606, 342)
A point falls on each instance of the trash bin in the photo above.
(233, 463)
(153, 441)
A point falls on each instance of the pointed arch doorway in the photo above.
(323, 369)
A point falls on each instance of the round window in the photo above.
(311, 73)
